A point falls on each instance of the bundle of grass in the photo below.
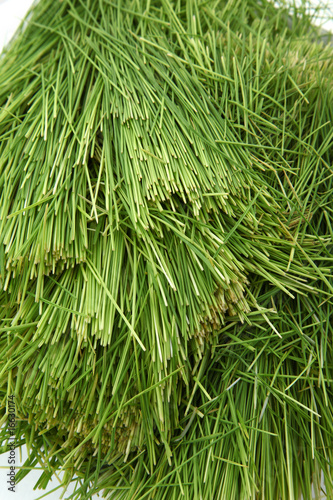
(260, 420)
(165, 189)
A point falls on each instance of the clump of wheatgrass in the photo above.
(166, 235)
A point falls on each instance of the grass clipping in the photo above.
(165, 248)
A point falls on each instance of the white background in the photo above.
(11, 12)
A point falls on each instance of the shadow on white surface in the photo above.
(24, 490)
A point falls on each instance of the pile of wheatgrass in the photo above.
(166, 236)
